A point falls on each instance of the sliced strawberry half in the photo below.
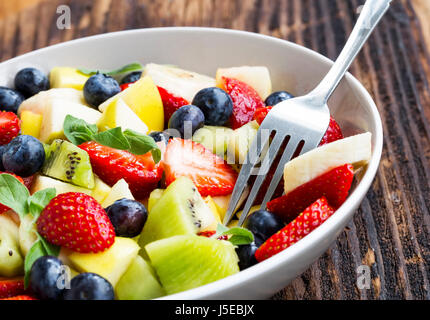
(245, 101)
(171, 103)
(112, 165)
(11, 287)
(210, 173)
(311, 218)
(334, 185)
(10, 126)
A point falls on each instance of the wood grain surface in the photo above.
(391, 231)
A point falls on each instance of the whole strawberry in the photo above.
(78, 222)
(10, 126)
(304, 224)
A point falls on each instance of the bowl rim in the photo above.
(342, 215)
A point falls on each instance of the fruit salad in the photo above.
(115, 184)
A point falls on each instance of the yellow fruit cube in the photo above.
(66, 77)
(145, 100)
(110, 264)
(31, 123)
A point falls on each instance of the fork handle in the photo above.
(371, 14)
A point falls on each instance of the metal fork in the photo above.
(300, 123)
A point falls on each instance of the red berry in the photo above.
(11, 287)
(171, 103)
(126, 86)
(304, 224)
(245, 101)
(21, 298)
(334, 185)
(211, 174)
(78, 222)
(10, 126)
(112, 165)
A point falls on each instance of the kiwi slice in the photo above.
(187, 262)
(68, 163)
(180, 210)
(139, 282)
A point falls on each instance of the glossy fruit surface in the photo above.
(263, 224)
(10, 99)
(246, 254)
(100, 88)
(128, 217)
(160, 136)
(278, 97)
(131, 77)
(24, 156)
(89, 286)
(45, 276)
(187, 120)
(10, 126)
(31, 81)
(171, 103)
(216, 105)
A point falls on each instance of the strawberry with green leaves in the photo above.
(310, 219)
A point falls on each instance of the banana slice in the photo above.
(356, 150)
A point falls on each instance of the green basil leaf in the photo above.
(239, 236)
(125, 69)
(77, 131)
(14, 194)
(113, 138)
(50, 249)
(36, 251)
(142, 144)
(38, 201)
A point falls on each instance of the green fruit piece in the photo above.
(187, 262)
(119, 191)
(139, 282)
(110, 264)
(181, 210)
(213, 138)
(11, 260)
(154, 197)
(240, 142)
(69, 163)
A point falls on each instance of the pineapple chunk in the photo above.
(66, 77)
(110, 264)
(119, 191)
(31, 123)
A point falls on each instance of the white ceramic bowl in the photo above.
(293, 68)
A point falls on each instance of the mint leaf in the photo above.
(36, 251)
(125, 69)
(38, 201)
(50, 249)
(113, 138)
(77, 131)
(237, 236)
(142, 144)
(14, 194)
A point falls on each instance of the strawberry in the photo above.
(21, 298)
(78, 222)
(126, 86)
(211, 233)
(305, 223)
(261, 113)
(210, 173)
(245, 101)
(171, 103)
(10, 126)
(3, 208)
(112, 165)
(11, 287)
(28, 182)
(334, 185)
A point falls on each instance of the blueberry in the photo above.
(278, 97)
(132, 77)
(89, 286)
(45, 277)
(23, 156)
(246, 254)
(216, 105)
(128, 217)
(2, 149)
(263, 224)
(187, 120)
(31, 81)
(160, 137)
(100, 88)
(10, 100)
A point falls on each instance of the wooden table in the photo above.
(391, 230)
